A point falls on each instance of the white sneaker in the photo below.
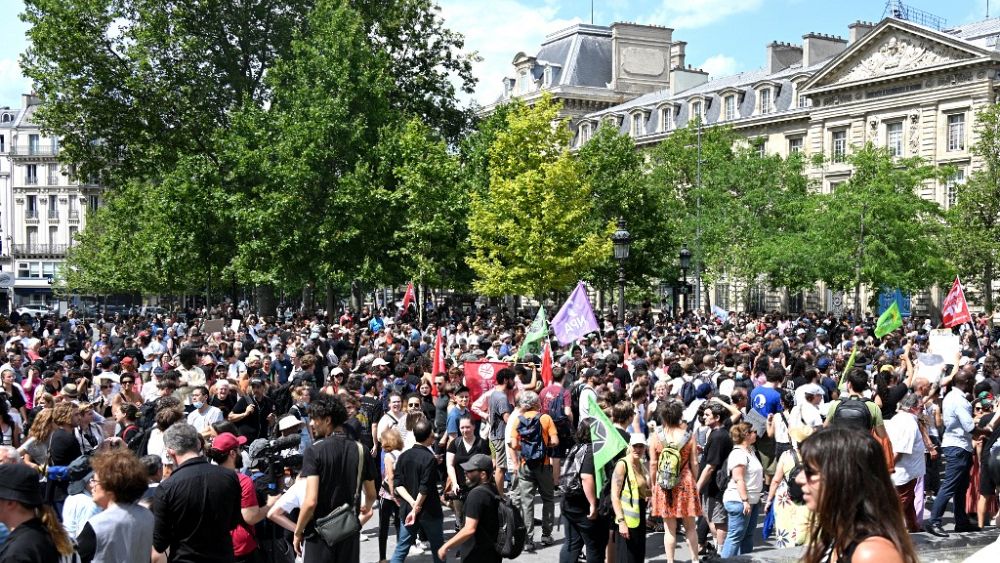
(417, 549)
(425, 545)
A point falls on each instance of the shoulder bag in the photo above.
(343, 522)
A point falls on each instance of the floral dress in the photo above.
(791, 521)
(682, 501)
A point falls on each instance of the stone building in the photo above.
(42, 206)
(908, 87)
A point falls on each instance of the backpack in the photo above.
(688, 392)
(557, 409)
(529, 431)
(853, 412)
(570, 482)
(512, 532)
(140, 442)
(794, 488)
(668, 466)
(722, 476)
(574, 396)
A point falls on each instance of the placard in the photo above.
(944, 343)
(213, 326)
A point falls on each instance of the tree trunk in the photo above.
(331, 299)
(357, 299)
(988, 289)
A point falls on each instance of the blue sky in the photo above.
(723, 36)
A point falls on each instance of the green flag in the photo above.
(606, 440)
(537, 332)
(889, 321)
(849, 366)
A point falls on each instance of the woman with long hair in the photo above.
(742, 495)
(388, 511)
(855, 509)
(36, 533)
(10, 432)
(119, 481)
(682, 501)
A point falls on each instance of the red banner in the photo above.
(955, 310)
(480, 377)
(547, 365)
(407, 297)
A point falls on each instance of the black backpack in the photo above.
(570, 482)
(853, 412)
(574, 395)
(512, 532)
(794, 488)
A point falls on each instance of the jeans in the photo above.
(582, 533)
(432, 526)
(739, 535)
(529, 481)
(958, 464)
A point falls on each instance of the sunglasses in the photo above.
(413, 405)
(105, 387)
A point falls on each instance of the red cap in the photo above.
(127, 361)
(226, 442)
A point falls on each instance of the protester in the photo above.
(630, 491)
(481, 521)
(718, 446)
(35, 535)
(957, 451)
(742, 495)
(534, 437)
(791, 515)
(416, 484)
(855, 510)
(680, 502)
(123, 530)
(585, 528)
(460, 451)
(908, 443)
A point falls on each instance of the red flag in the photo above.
(547, 364)
(480, 377)
(955, 310)
(408, 297)
(438, 366)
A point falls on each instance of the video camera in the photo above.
(279, 460)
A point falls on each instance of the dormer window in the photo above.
(638, 124)
(584, 133)
(697, 111)
(547, 76)
(729, 107)
(523, 81)
(666, 118)
(766, 101)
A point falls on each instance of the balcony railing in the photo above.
(53, 180)
(31, 180)
(39, 249)
(34, 150)
(74, 215)
(53, 214)
(31, 214)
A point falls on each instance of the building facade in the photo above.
(908, 87)
(42, 206)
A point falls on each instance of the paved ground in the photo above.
(955, 548)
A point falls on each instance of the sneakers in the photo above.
(547, 540)
(935, 530)
(529, 545)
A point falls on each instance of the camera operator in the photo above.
(225, 451)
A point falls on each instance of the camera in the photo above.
(278, 460)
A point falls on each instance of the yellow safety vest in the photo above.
(630, 497)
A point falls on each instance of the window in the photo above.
(53, 207)
(548, 76)
(956, 132)
(666, 118)
(794, 145)
(31, 174)
(761, 146)
(72, 235)
(803, 101)
(839, 138)
(48, 269)
(3, 146)
(638, 127)
(74, 208)
(729, 107)
(32, 233)
(951, 188)
(22, 270)
(696, 111)
(32, 144)
(31, 206)
(765, 100)
(522, 82)
(53, 234)
(894, 138)
(93, 202)
(53, 175)
(584, 132)
(54, 142)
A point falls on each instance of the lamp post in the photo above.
(685, 260)
(621, 240)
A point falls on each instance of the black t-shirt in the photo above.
(577, 504)
(225, 406)
(440, 414)
(892, 398)
(63, 447)
(335, 460)
(353, 430)
(462, 455)
(29, 543)
(483, 505)
(992, 438)
(717, 450)
(16, 399)
(255, 425)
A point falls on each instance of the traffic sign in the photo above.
(6, 280)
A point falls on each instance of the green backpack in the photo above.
(668, 466)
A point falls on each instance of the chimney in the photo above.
(640, 57)
(31, 99)
(682, 79)
(677, 54)
(858, 30)
(782, 55)
(818, 47)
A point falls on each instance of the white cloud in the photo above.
(12, 83)
(719, 65)
(698, 13)
(498, 31)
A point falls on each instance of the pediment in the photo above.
(893, 49)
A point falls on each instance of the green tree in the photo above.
(532, 233)
(875, 230)
(973, 236)
(614, 168)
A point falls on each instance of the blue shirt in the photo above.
(765, 400)
(454, 414)
(958, 422)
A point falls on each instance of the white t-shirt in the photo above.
(904, 433)
(587, 392)
(753, 477)
(293, 497)
(805, 414)
(201, 421)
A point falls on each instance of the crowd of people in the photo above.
(275, 439)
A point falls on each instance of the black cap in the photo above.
(478, 462)
(18, 482)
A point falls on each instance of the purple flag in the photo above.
(576, 318)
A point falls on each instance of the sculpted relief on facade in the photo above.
(898, 52)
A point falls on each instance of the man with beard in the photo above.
(481, 509)
(225, 452)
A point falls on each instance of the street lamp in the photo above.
(685, 259)
(621, 240)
